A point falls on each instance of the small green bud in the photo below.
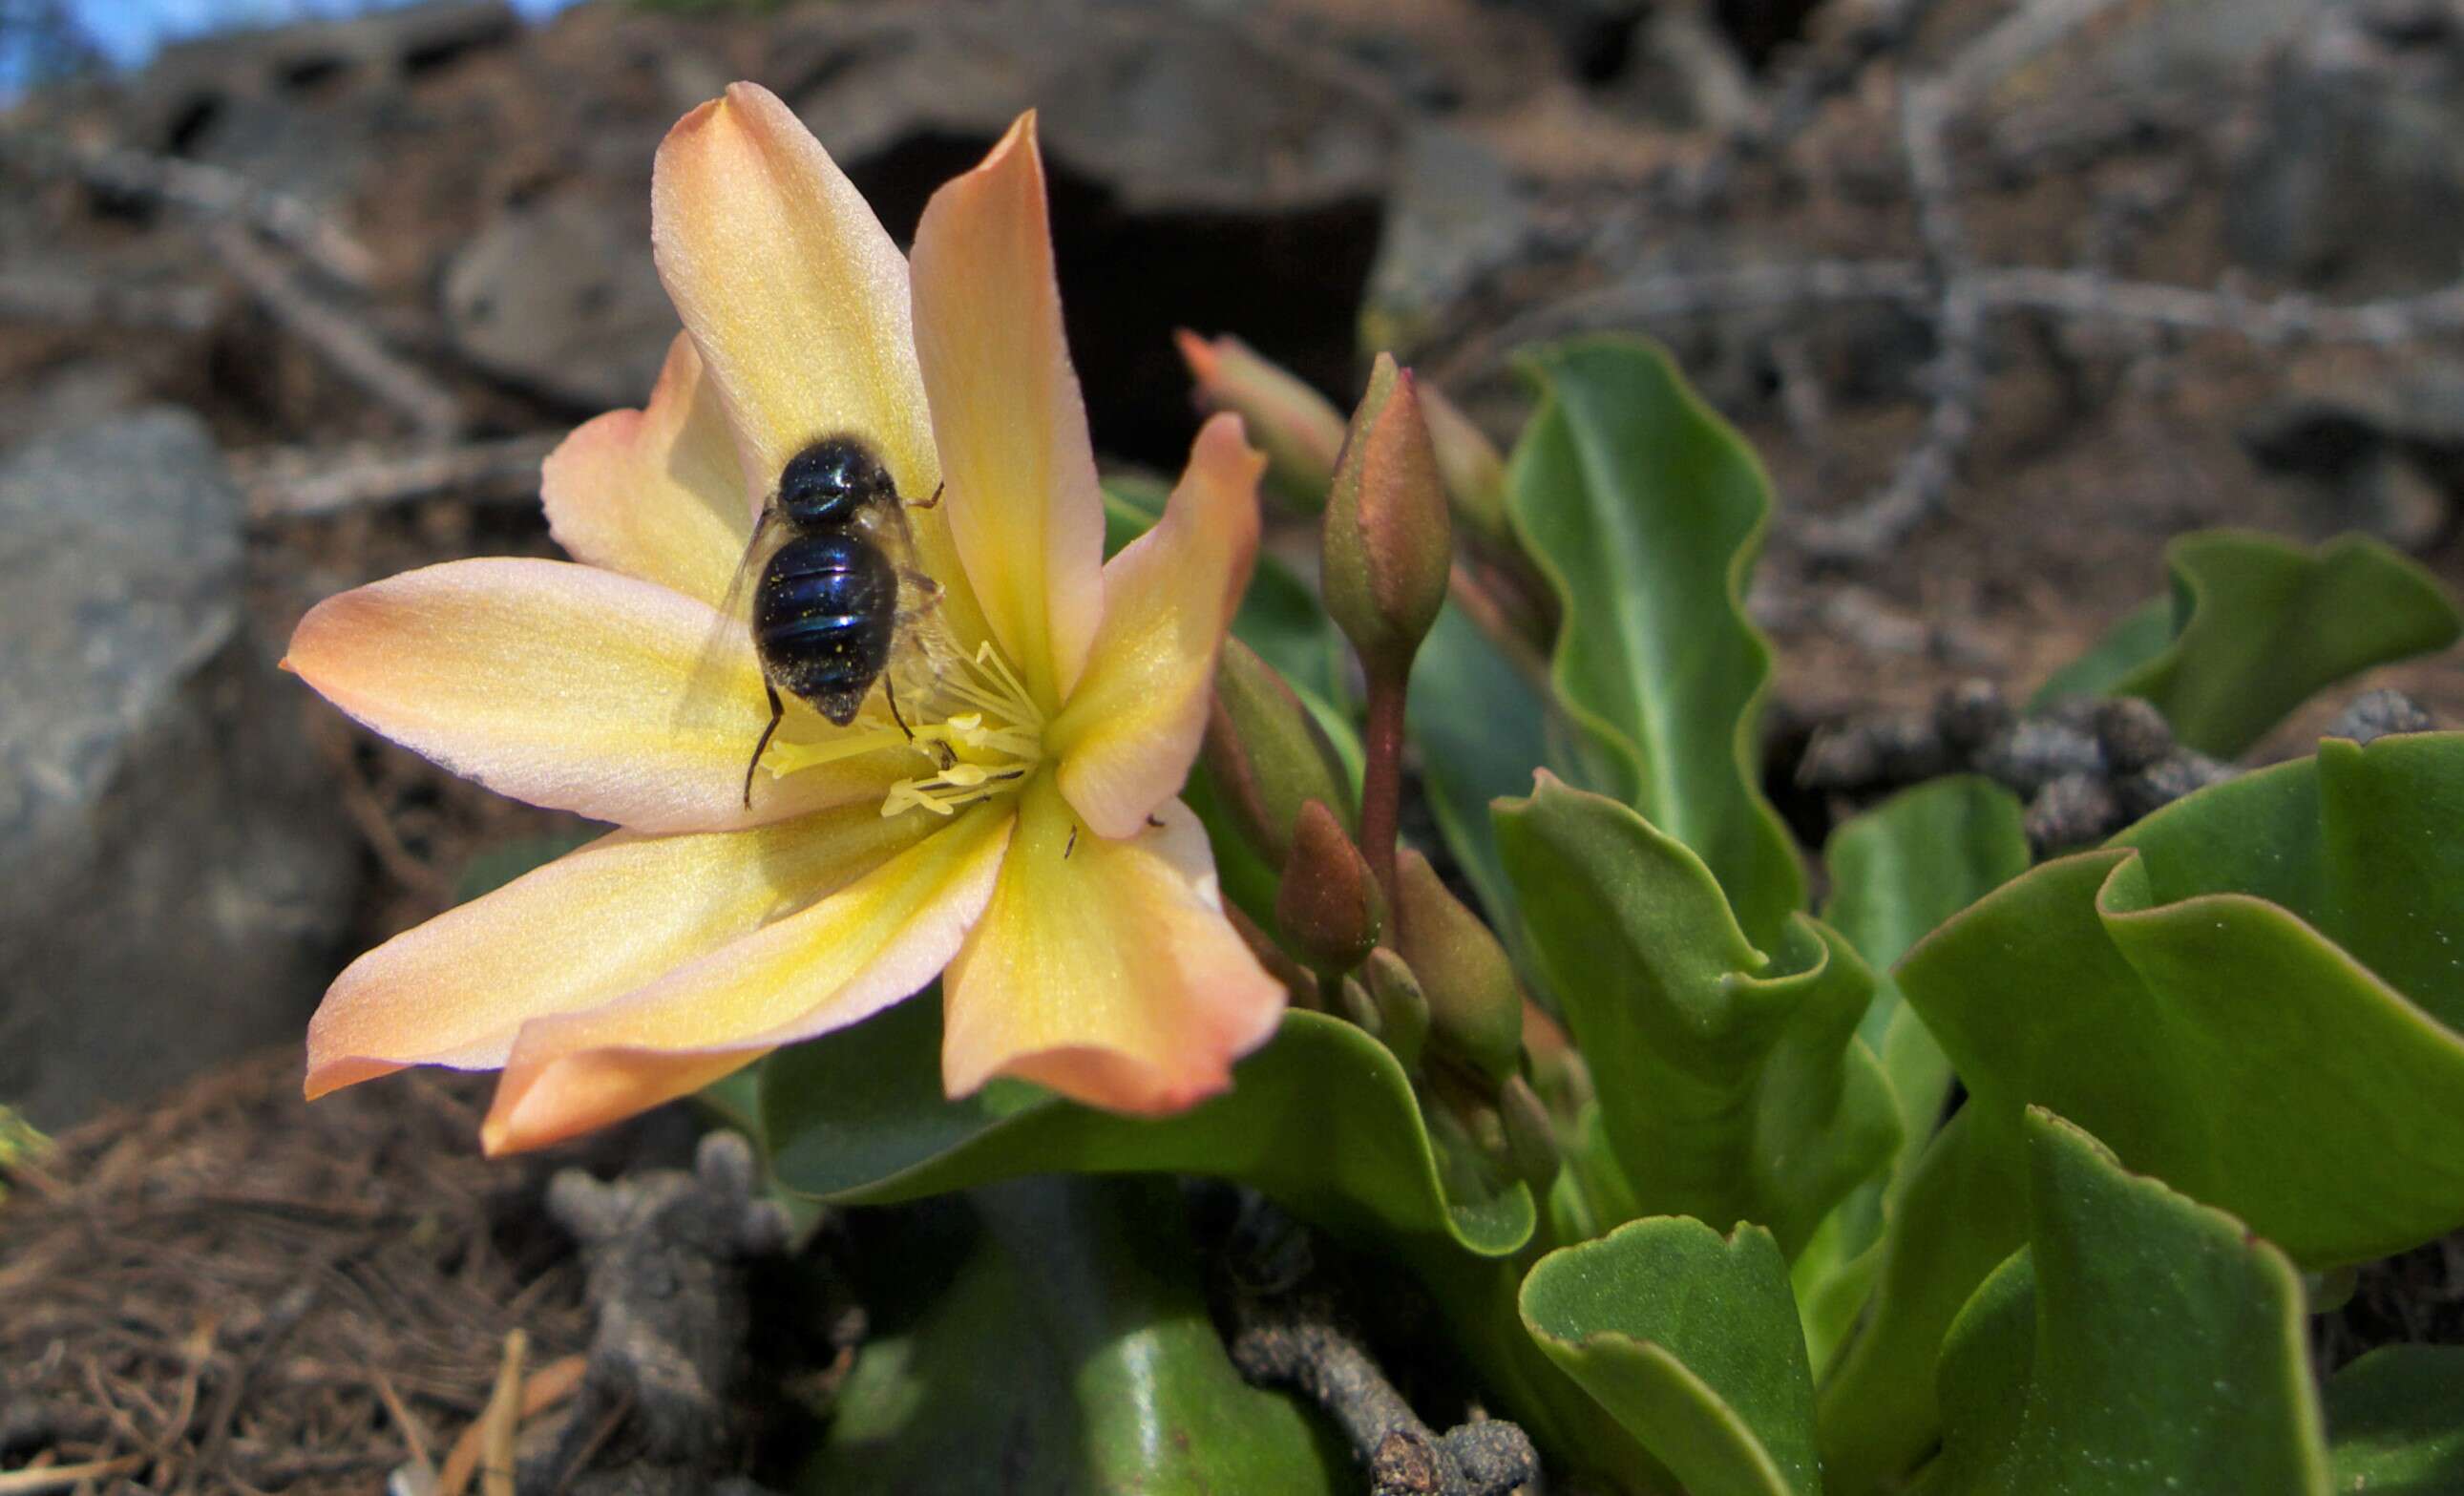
(1299, 430)
(1328, 906)
(1475, 1002)
(1353, 1001)
(1403, 1008)
(1389, 546)
(1470, 466)
(1264, 753)
(1531, 1138)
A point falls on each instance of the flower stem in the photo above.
(1381, 785)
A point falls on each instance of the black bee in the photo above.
(828, 605)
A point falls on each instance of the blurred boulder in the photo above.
(1454, 214)
(2383, 455)
(2355, 176)
(172, 884)
(559, 295)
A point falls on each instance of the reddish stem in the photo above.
(1381, 786)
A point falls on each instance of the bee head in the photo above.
(831, 481)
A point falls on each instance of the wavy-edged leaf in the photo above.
(2257, 626)
(2136, 638)
(1646, 513)
(1322, 1120)
(1896, 872)
(1072, 1354)
(1482, 730)
(2144, 1342)
(1730, 1085)
(1690, 1342)
(2185, 995)
(2395, 1422)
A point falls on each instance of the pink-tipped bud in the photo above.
(1265, 754)
(1389, 543)
(1475, 1001)
(1298, 428)
(1470, 467)
(1329, 906)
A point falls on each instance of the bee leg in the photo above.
(928, 503)
(778, 711)
(940, 751)
(928, 590)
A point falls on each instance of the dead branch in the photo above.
(65, 298)
(207, 190)
(346, 344)
(305, 482)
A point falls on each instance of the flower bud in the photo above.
(1475, 1003)
(1265, 754)
(1389, 544)
(1300, 430)
(1299, 981)
(1353, 1001)
(1403, 1008)
(1531, 1139)
(1470, 467)
(1327, 907)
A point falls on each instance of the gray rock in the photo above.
(1454, 214)
(2356, 175)
(2385, 457)
(172, 886)
(559, 294)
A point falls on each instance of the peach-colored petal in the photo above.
(799, 303)
(1106, 969)
(1128, 731)
(655, 493)
(565, 686)
(841, 961)
(591, 926)
(1024, 505)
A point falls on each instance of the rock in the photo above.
(171, 883)
(2383, 455)
(2355, 177)
(1454, 213)
(559, 294)
(1205, 173)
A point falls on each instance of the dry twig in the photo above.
(345, 342)
(301, 482)
(207, 190)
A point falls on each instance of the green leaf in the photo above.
(2395, 1422)
(1646, 513)
(1482, 730)
(1730, 1085)
(2251, 996)
(1896, 872)
(859, 1117)
(2142, 1343)
(1690, 1342)
(1072, 1353)
(2259, 626)
(2140, 636)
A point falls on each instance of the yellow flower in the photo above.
(1030, 846)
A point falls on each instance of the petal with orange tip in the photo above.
(589, 927)
(1128, 731)
(798, 302)
(1106, 969)
(565, 686)
(655, 493)
(1024, 509)
(848, 957)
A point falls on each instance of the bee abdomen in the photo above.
(823, 618)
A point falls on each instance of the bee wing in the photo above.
(921, 650)
(704, 701)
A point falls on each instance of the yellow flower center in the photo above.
(972, 718)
